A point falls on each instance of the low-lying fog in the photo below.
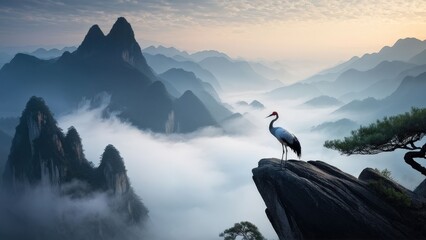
(196, 185)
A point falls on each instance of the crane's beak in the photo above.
(269, 116)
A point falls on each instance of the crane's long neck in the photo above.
(271, 124)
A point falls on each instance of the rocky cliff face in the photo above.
(37, 152)
(314, 200)
(42, 155)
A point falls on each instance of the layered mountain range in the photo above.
(42, 155)
(111, 64)
(388, 82)
(218, 69)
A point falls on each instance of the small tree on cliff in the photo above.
(247, 230)
(386, 135)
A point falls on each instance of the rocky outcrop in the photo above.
(314, 200)
(42, 154)
(113, 171)
(37, 152)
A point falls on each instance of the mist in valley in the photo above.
(196, 185)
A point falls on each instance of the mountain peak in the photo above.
(37, 105)
(28, 161)
(95, 30)
(93, 39)
(121, 29)
(112, 160)
(188, 95)
(113, 171)
(407, 41)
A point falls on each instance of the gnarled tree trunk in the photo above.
(409, 158)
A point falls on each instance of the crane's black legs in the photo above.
(286, 150)
(282, 157)
(286, 153)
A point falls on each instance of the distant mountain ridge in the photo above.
(111, 63)
(183, 81)
(323, 101)
(367, 82)
(238, 72)
(43, 53)
(161, 63)
(237, 75)
(401, 50)
(183, 55)
(410, 93)
(355, 80)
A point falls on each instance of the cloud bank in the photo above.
(196, 185)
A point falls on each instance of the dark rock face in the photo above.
(421, 189)
(42, 155)
(314, 200)
(37, 151)
(5, 142)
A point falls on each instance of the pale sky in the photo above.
(326, 30)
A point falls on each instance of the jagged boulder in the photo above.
(314, 200)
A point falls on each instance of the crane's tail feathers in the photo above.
(296, 147)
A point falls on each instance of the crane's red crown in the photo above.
(273, 114)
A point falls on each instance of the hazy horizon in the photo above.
(322, 33)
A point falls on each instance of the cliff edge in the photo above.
(314, 200)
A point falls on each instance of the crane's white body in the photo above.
(285, 138)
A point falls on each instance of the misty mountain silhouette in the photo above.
(354, 80)
(201, 55)
(341, 127)
(182, 81)
(166, 51)
(385, 87)
(178, 55)
(188, 118)
(161, 63)
(51, 53)
(273, 73)
(295, 90)
(409, 94)
(323, 101)
(111, 63)
(375, 75)
(237, 75)
(402, 50)
(256, 105)
(419, 59)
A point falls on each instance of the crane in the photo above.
(285, 138)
